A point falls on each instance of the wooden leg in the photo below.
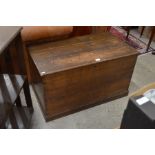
(13, 120)
(27, 94)
(18, 102)
(150, 40)
(108, 28)
(3, 126)
(23, 116)
(128, 32)
(143, 27)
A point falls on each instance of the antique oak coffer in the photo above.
(80, 72)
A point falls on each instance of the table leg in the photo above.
(150, 40)
(18, 102)
(143, 27)
(27, 94)
(13, 120)
(128, 32)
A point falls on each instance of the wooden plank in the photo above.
(86, 85)
(65, 56)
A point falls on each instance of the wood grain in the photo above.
(70, 78)
(13, 78)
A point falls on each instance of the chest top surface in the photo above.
(7, 34)
(79, 51)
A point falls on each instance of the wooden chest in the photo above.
(77, 73)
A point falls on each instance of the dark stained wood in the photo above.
(37, 84)
(150, 39)
(10, 88)
(18, 101)
(141, 33)
(13, 78)
(78, 52)
(81, 30)
(80, 72)
(12, 59)
(77, 31)
(7, 35)
(84, 30)
(4, 114)
(13, 120)
(27, 94)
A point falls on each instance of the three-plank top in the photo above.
(71, 53)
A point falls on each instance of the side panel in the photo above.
(37, 84)
(70, 90)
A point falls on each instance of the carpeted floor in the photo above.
(133, 39)
(107, 115)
